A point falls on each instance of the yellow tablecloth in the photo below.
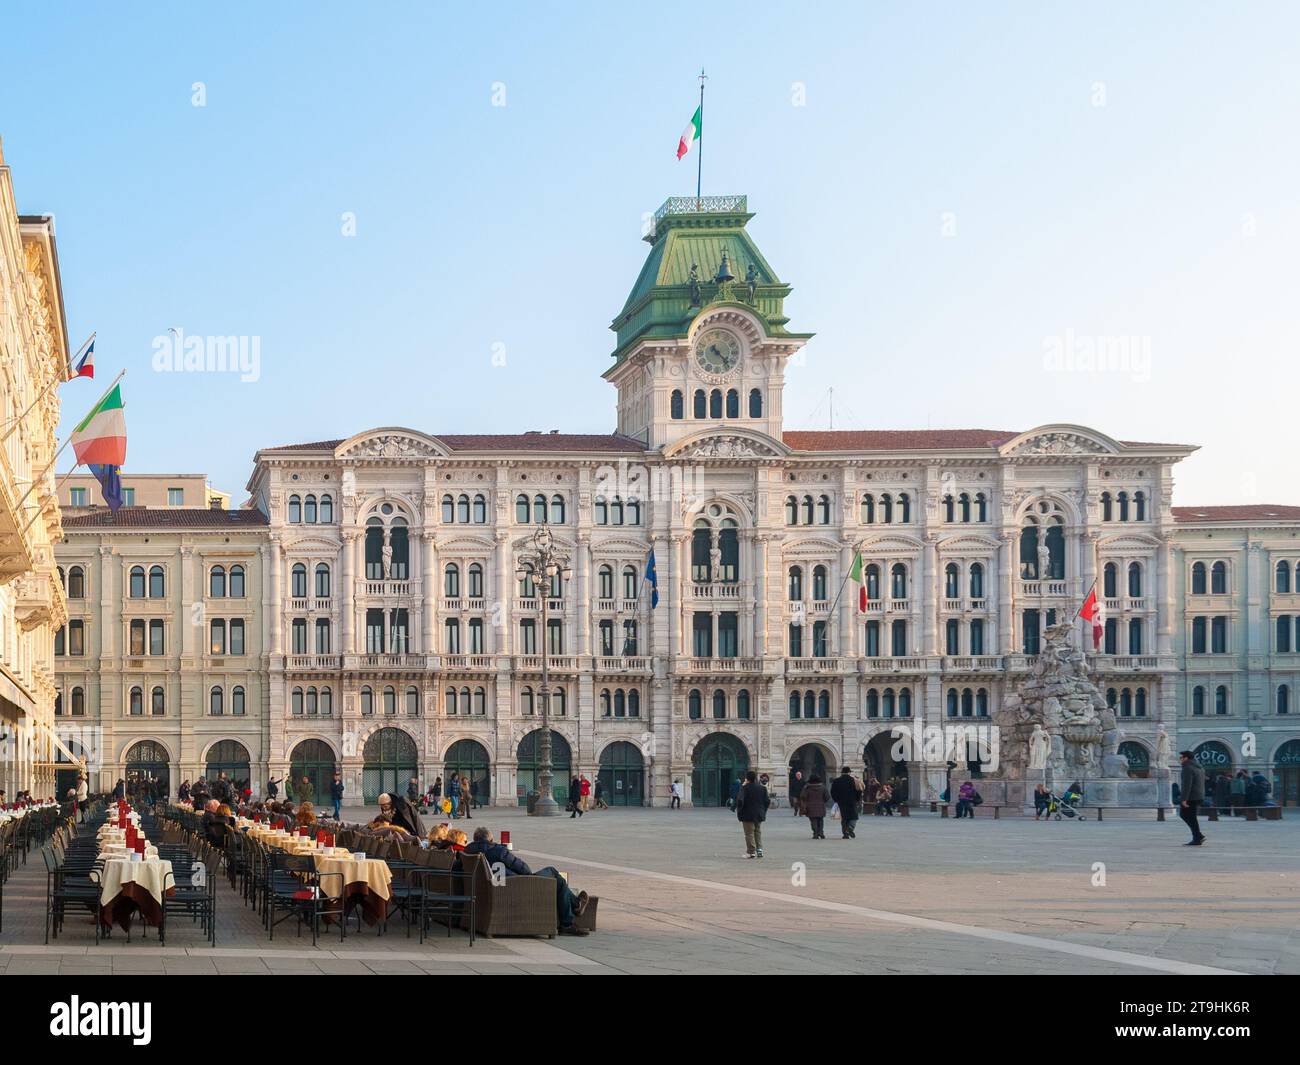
(372, 872)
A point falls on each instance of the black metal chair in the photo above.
(295, 886)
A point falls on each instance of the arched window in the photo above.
(976, 636)
(367, 702)
(699, 404)
(981, 507)
(1134, 580)
(1219, 579)
(451, 581)
(977, 580)
(1283, 699)
(475, 575)
(539, 510)
(807, 510)
(905, 702)
(1198, 579)
(448, 510)
(309, 510)
(693, 705)
(967, 703)
(796, 583)
(157, 702)
(136, 702)
(76, 583)
(557, 510)
(819, 584)
(887, 509)
(1140, 703)
(157, 583)
(295, 701)
(313, 702)
(634, 703)
(605, 582)
(1221, 700)
(791, 510)
(868, 514)
(898, 638)
(326, 510)
(755, 403)
(136, 582)
(823, 510)
(390, 700)
(898, 581)
(795, 703)
(480, 509)
(1198, 701)
(949, 509)
(298, 580)
(742, 704)
(1283, 634)
(462, 508)
(715, 404)
(719, 704)
(629, 582)
(982, 703)
(1135, 636)
(237, 582)
(216, 702)
(451, 636)
(951, 581)
(237, 701)
(295, 510)
(217, 582)
(1139, 506)
(677, 407)
(322, 581)
(733, 403)
(1107, 507)
(952, 636)
(620, 703)
(872, 581)
(521, 509)
(963, 504)
(950, 702)
(904, 508)
(1282, 582)
(616, 511)
(1110, 580)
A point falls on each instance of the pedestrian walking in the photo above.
(584, 788)
(676, 803)
(601, 804)
(966, 799)
(751, 810)
(465, 797)
(336, 793)
(733, 793)
(575, 798)
(1042, 800)
(1192, 792)
(796, 788)
(813, 801)
(844, 790)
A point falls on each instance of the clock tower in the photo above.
(702, 338)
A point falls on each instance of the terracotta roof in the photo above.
(896, 439)
(1247, 512)
(165, 518)
(510, 442)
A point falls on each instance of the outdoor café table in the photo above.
(119, 850)
(367, 882)
(129, 886)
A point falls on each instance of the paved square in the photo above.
(915, 895)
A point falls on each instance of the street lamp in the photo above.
(546, 562)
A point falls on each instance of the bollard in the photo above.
(1160, 813)
(943, 810)
(903, 811)
(997, 812)
(1252, 814)
(1214, 813)
(1098, 813)
(934, 807)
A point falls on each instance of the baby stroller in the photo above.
(1065, 805)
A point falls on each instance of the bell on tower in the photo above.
(724, 270)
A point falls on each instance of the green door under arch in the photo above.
(229, 757)
(468, 758)
(622, 775)
(314, 760)
(718, 760)
(147, 763)
(391, 759)
(530, 763)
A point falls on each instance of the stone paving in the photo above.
(909, 895)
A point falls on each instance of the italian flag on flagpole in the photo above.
(691, 133)
(100, 438)
(855, 574)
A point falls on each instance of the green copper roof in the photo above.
(697, 232)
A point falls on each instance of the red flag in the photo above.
(1091, 612)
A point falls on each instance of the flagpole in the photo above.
(37, 480)
(699, 172)
(45, 392)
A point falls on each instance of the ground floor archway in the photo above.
(147, 770)
(1216, 759)
(719, 761)
(1139, 759)
(1286, 774)
(314, 760)
(880, 763)
(66, 778)
(390, 761)
(229, 757)
(622, 775)
(469, 758)
(809, 760)
(529, 761)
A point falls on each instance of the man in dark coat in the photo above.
(813, 801)
(502, 861)
(336, 794)
(397, 810)
(751, 810)
(796, 788)
(1192, 791)
(844, 790)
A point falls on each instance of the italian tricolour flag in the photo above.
(691, 133)
(101, 436)
(855, 572)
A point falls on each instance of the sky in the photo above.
(428, 214)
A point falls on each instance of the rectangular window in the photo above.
(607, 638)
(176, 497)
(322, 636)
(528, 637)
(1198, 636)
(76, 497)
(476, 646)
(218, 643)
(60, 638)
(1030, 632)
(135, 645)
(728, 640)
(237, 636)
(299, 630)
(157, 645)
(374, 632)
(1219, 636)
(796, 641)
(977, 637)
(819, 639)
(555, 635)
(702, 635)
(128, 497)
(871, 646)
(399, 632)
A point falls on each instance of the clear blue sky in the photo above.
(949, 202)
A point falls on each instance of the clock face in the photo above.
(717, 351)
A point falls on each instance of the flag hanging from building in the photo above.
(110, 484)
(100, 438)
(1091, 612)
(652, 579)
(84, 365)
(691, 133)
(855, 574)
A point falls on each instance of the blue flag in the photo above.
(110, 484)
(652, 578)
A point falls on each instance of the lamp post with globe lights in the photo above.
(547, 562)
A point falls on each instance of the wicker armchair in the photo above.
(522, 906)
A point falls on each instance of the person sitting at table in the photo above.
(397, 812)
(184, 794)
(306, 816)
(440, 837)
(457, 839)
(567, 904)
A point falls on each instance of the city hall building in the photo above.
(371, 608)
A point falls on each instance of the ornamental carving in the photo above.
(731, 447)
(390, 447)
(1059, 444)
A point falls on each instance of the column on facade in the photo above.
(504, 585)
(760, 594)
(276, 621)
(582, 574)
(347, 590)
(1006, 599)
(429, 592)
(1087, 563)
(929, 588)
(681, 578)
(1165, 603)
(190, 637)
(848, 603)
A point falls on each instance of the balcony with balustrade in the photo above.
(622, 665)
(819, 666)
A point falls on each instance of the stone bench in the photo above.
(1252, 813)
(942, 808)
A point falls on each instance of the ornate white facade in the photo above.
(396, 637)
